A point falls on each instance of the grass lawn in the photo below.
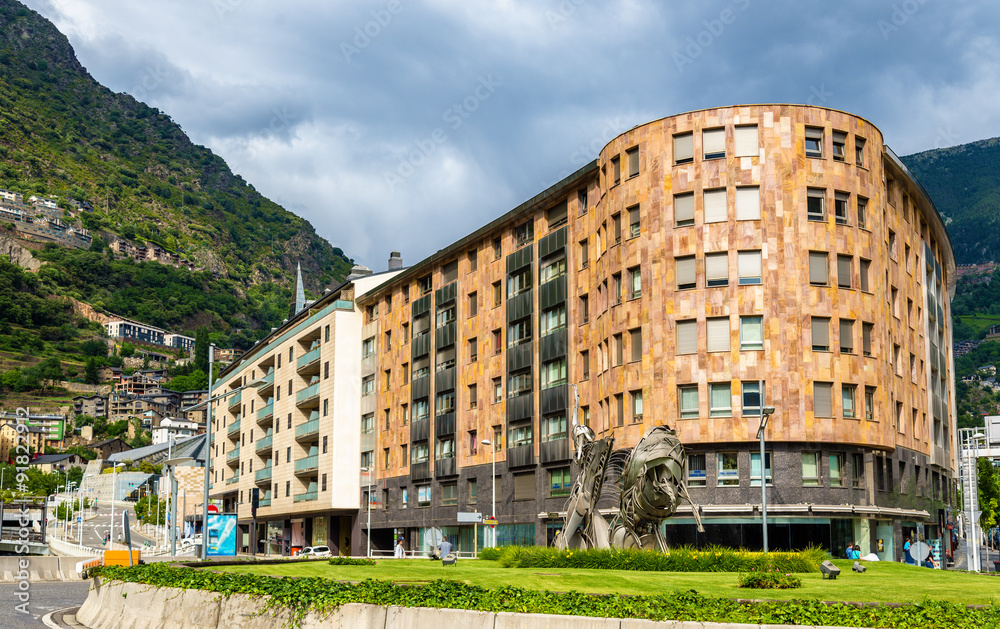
(883, 582)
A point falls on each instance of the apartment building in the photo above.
(706, 265)
(293, 441)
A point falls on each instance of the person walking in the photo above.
(399, 552)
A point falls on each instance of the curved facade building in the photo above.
(702, 263)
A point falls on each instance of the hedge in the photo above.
(302, 595)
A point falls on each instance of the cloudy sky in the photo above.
(399, 125)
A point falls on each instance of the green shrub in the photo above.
(490, 554)
(769, 580)
(679, 559)
(351, 561)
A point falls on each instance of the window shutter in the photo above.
(687, 337)
(820, 332)
(684, 209)
(715, 206)
(714, 142)
(809, 467)
(718, 334)
(683, 147)
(685, 271)
(822, 399)
(717, 269)
(748, 264)
(721, 397)
(751, 332)
(846, 335)
(689, 399)
(633, 162)
(557, 214)
(524, 486)
(746, 141)
(865, 268)
(866, 338)
(844, 271)
(748, 203)
(817, 267)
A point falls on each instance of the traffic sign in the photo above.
(490, 521)
(213, 509)
(469, 517)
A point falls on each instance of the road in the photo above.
(96, 528)
(42, 599)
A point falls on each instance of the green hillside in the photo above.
(62, 133)
(964, 182)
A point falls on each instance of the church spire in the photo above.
(300, 293)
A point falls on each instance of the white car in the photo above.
(315, 552)
(191, 541)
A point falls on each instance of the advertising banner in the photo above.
(221, 538)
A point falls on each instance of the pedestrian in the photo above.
(399, 552)
(855, 552)
(929, 561)
(444, 548)
(907, 557)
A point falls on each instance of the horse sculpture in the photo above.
(652, 487)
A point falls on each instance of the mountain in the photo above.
(64, 134)
(964, 182)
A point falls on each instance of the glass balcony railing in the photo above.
(307, 393)
(264, 502)
(308, 464)
(263, 474)
(233, 428)
(307, 429)
(268, 381)
(265, 413)
(236, 399)
(232, 480)
(264, 443)
(309, 495)
(233, 455)
(309, 358)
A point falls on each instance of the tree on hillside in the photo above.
(127, 350)
(201, 343)
(94, 347)
(50, 370)
(90, 375)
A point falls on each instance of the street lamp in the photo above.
(208, 437)
(970, 453)
(114, 495)
(368, 471)
(765, 413)
(493, 484)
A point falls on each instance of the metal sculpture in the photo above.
(652, 487)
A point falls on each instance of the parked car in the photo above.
(315, 552)
(191, 541)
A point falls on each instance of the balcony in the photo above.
(263, 475)
(307, 466)
(308, 395)
(233, 457)
(265, 387)
(308, 362)
(232, 480)
(265, 416)
(264, 444)
(307, 431)
(445, 467)
(233, 430)
(263, 502)
(309, 495)
(235, 400)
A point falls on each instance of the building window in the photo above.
(497, 248)
(634, 283)
(616, 281)
(585, 361)
(518, 384)
(716, 209)
(581, 199)
(755, 469)
(747, 144)
(288, 488)
(421, 453)
(553, 428)
(751, 398)
(814, 141)
(449, 494)
(820, 334)
(844, 264)
(473, 345)
(523, 234)
(810, 469)
(524, 486)
(818, 268)
(847, 393)
(560, 482)
(519, 332)
(473, 304)
(684, 209)
(616, 168)
(846, 336)
(840, 200)
(837, 470)
(367, 385)
(632, 155)
(748, 203)
(584, 253)
(718, 334)
(473, 397)
(618, 345)
(444, 448)
(696, 470)
(366, 460)
(748, 267)
(473, 491)
(859, 152)
(751, 333)
(635, 344)
(520, 436)
(368, 347)
(554, 373)
(728, 469)
(839, 146)
(368, 423)
(553, 320)
(423, 495)
(444, 403)
(862, 211)
(636, 405)
(519, 282)
(823, 399)
(686, 275)
(584, 309)
(633, 221)
(683, 148)
(421, 410)
(687, 337)
(497, 341)
(717, 269)
(497, 294)
(552, 270)
(815, 201)
(497, 390)
(720, 399)
(857, 470)
(713, 142)
(865, 274)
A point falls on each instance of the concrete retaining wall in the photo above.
(38, 568)
(137, 606)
